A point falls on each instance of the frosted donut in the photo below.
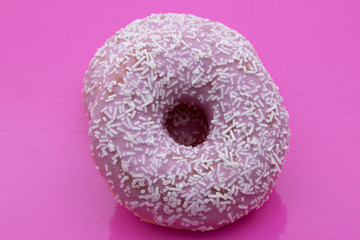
(186, 125)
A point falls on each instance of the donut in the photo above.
(186, 125)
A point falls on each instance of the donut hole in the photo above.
(187, 124)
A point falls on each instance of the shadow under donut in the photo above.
(268, 222)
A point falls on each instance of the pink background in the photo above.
(49, 188)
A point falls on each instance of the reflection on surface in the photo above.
(266, 223)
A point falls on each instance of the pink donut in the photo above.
(186, 125)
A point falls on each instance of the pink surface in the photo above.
(48, 182)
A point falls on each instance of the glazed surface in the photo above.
(148, 68)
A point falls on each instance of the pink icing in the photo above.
(155, 64)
